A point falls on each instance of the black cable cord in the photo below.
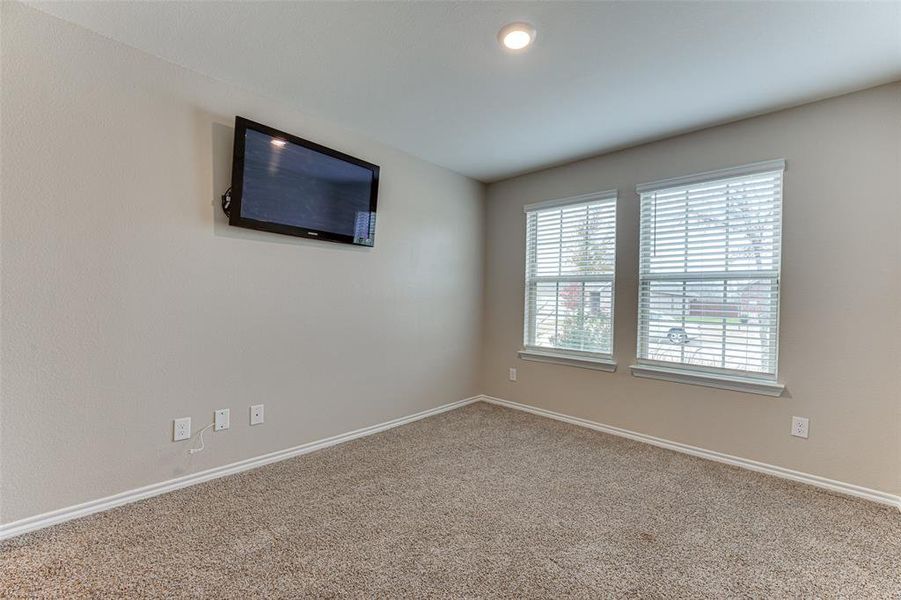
(227, 202)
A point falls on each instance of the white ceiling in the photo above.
(430, 79)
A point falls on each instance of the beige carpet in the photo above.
(477, 502)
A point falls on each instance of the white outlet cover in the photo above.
(256, 414)
(221, 419)
(181, 429)
(800, 427)
(512, 374)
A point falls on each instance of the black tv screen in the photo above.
(286, 184)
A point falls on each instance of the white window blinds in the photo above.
(710, 252)
(570, 263)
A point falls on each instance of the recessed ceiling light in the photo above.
(279, 143)
(516, 36)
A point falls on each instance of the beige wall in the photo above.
(840, 354)
(128, 301)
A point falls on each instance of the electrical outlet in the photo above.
(256, 414)
(512, 374)
(181, 429)
(221, 419)
(800, 426)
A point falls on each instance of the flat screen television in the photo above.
(286, 184)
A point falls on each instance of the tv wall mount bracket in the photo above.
(227, 202)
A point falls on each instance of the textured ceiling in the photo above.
(430, 79)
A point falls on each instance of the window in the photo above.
(570, 263)
(710, 253)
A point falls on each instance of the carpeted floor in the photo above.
(477, 502)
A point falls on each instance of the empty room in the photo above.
(450, 299)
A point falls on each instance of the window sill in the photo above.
(584, 362)
(726, 382)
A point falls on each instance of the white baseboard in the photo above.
(15, 528)
(814, 480)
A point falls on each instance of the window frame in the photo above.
(725, 378)
(577, 358)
